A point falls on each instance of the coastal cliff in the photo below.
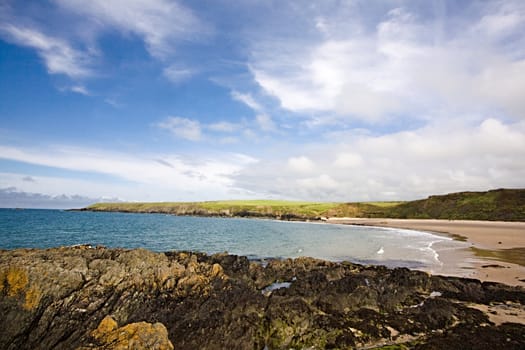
(87, 297)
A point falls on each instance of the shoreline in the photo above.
(494, 249)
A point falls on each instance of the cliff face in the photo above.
(89, 298)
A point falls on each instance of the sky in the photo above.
(171, 100)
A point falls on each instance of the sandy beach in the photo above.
(494, 250)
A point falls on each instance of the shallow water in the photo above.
(257, 239)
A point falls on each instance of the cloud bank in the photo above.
(406, 65)
(406, 165)
(12, 198)
(153, 177)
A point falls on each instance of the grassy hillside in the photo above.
(503, 204)
(255, 208)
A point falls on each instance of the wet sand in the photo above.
(494, 250)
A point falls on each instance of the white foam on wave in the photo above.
(432, 251)
(429, 247)
(410, 232)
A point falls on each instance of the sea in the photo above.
(257, 239)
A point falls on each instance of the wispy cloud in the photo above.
(182, 128)
(128, 176)
(247, 99)
(80, 89)
(224, 126)
(177, 74)
(228, 140)
(160, 23)
(194, 130)
(265, 122)
(59, 56)
(113, 102)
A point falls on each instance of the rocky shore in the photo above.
(97, 298)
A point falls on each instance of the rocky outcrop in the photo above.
(96, 298)
(136, 336)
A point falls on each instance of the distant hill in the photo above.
(283, 210)
(501, 204)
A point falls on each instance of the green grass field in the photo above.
(269, 208)
(503, 204)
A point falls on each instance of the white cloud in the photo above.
(301, 164)
(194, 130)
(348, 160)
(160, 23)
(323, 182)
(58, 55)
(127, 176)
(320, 24)
(503, 84)
(295, 92)
(400, 65)
(437, 158)
(503, 19)
(177, 74)
(113, 103)
(247, 99)
(249, 134)
(265, 122)
(228, 140)
(182, 128)
(80, 89)
(224, 126)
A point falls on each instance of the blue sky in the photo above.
(159, 100)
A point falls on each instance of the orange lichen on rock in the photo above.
(17, 280)
(33, 296)
(140, 335)
(106, 326)
(217, 271)
(3, 275)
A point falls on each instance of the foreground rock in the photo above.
(98, 298)
(141, 335)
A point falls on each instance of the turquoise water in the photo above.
(257, 239)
